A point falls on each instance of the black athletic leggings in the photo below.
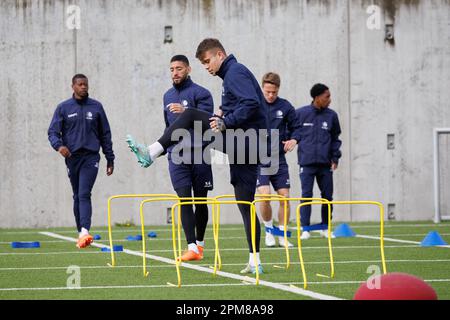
(193, 222)
(242, 193)
(185, 121)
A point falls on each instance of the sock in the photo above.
(251, 261)
(201, 243)
(281, 227)
(193, 247)
(84, 232)
(155, 150)
(268, 224)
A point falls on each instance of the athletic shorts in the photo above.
(280, 180)
(197, 176)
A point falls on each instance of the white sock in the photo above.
(281, 227)
(155, 150)
(84, 232)
(200, 243)
(251, 260)
(268, 224)
(193, 247)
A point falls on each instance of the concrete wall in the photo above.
(378, 87)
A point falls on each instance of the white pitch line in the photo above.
(299, 291)
(130, 230)
(119, 240)
(225, 249)
(123, 287)
(191, 285)
(228, 264)
(226, 238)
(356, 282)
(441, 225)
(413, 234)
(394, 240)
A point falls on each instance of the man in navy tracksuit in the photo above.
(78, 128)
(283, 119)
(318, 150)
(243, 108)
(183, 95)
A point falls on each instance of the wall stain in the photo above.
(208, 6)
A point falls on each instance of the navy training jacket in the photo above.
(319, 131)
(81, 124)
(190, 95)
(282, 116)
(243, 102)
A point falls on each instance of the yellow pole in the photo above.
(141, 213)
(299, 245)
(216, 223)
(350, 203)
(285, 231)
(144, 195)
(215, 202)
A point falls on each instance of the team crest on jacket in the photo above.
(325, 125)
(279, 114)
(89, 115)
(184, 103)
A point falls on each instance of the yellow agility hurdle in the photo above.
(141, 213)
(329, 230)
(323, 201)
(121, 196)
(215, 202)
(216, 224)
(272, 197)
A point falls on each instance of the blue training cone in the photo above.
(433, 238)
(344, 230)
(134, 238)
(115, 248)
(19, 244)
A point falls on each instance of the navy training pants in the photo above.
(82, 170)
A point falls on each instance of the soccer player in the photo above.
(243, 108)
(189, 177)
(318, 151)
(282, 118)
(78, 128)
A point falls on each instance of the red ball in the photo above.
(395, 286)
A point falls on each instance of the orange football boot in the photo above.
(190, 255)
(200, 250)
(85, 241)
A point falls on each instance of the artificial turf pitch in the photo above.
(44, 273)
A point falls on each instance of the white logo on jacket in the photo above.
(72, 115)
(208, 184)
(89, 115)
(279, 114)
(325, 125)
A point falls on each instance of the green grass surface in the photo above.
(42, 273)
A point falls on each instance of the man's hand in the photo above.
(64, 151)
(217, 124)
(109, 170)
(289, 145)
(176, 108)
(334, 166)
